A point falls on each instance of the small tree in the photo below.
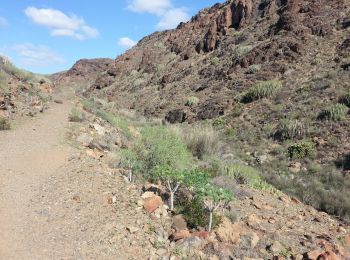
(132, 162)
(173, 179)
(214, 198)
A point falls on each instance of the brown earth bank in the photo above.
(273, 75)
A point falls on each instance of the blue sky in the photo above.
(47, 36)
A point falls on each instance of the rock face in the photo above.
(84, 71)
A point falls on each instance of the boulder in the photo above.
(230, 233)
(179, 223)
(182, 234)
(152, 203)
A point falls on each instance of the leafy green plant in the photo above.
(336, 112)
(172, 177)
(131, 160)
(214, 198)
(192, 101)
(290, 129)
(196, 179)
(164, 147)
(261, 90)
(76, 115)
(302, 150)
(4, 124)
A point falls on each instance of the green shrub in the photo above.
(302, 150)
(345, 100)
(336, 112)
(192, 101)
(231, 132)
(242, 50)
(200, 140)
(219, 121)
(262, 90)
(4, 124)
(214, 61)
(243, 174)
(195, 214)
(252, 69)
(290, 129)
(115, 121)
(76, 115)
(131, 160)
(164, 147)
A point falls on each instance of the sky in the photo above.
(47, 36)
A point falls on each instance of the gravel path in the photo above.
(54, 199)
(29, 153)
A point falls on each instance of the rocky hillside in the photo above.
(83, 73)
(22, 93)
(272, 75)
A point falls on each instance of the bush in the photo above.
(252, 69)
(164, 147)
(262, 90)
(243, 174)
(302, 150)
(200, 140)
(76, 115)
(336, 112)
(242, 50)
(192, 101)
(4, 124)
(290, 129)
(195, 214)
(214, 61)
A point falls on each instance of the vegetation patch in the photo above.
(290, 129)
(76, 115)
(262, 90)
(4, 124)
(336, 112)
(302, 150)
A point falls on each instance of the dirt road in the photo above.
(29, 154)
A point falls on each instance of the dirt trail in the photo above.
(28, 155)
(54, 198)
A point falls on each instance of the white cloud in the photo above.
(157, 7)
(3, 21)
(61, 24)
(37, 55)
(126, 42)
(172, 18)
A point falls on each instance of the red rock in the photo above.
(201, 234)
(182, 234)
(347, 240)
(313, 255)
(152, 203)
(328, 256)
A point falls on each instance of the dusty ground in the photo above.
(54, 199)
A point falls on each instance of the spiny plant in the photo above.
(336, 112)
(290, 129)
(192, 101)
(261, 90)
